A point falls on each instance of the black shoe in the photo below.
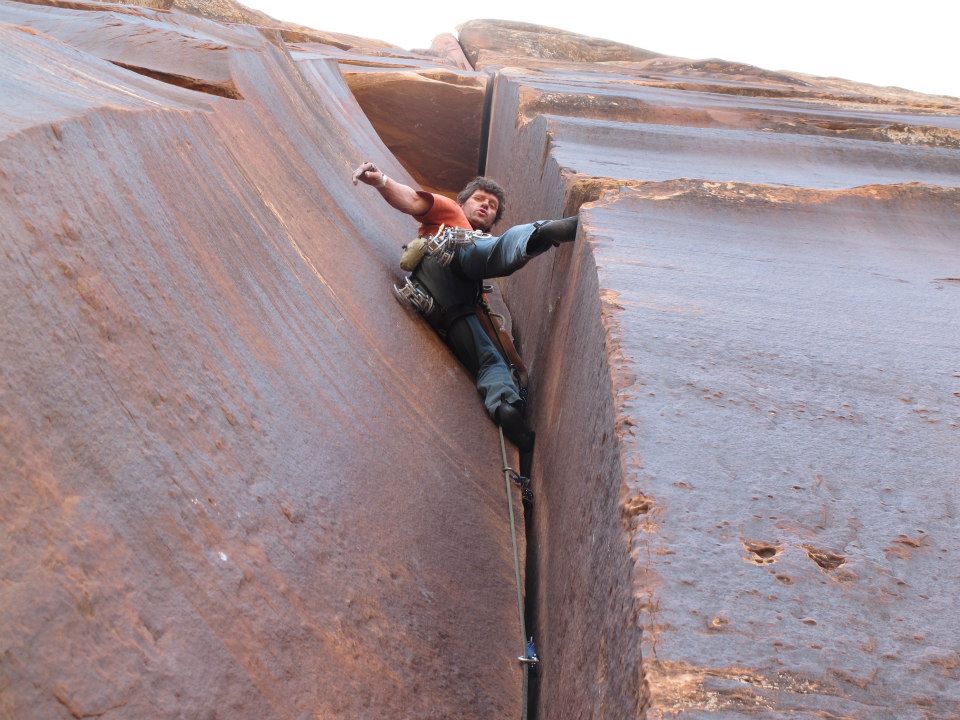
(552, 232)
(514, 427)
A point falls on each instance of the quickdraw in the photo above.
(522, 482)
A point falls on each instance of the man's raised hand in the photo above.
(399, 196)
(369, 174)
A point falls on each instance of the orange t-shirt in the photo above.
(443, 211)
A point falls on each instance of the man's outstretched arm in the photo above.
(402, 197)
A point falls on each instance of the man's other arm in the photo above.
(402, 197)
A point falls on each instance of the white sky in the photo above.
(915, 45)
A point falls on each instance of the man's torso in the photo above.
(448, 286)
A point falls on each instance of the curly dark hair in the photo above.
(487, 185)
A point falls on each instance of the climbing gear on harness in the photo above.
(529, 656)
(413, 253)
(412, 293)
(444, 245)
(514, 426)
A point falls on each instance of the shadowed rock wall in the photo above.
(744, 385)
(230, 485)
(430, 119)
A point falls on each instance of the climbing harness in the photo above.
(412, 293)
(529, 657)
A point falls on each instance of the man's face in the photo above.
(480, 209)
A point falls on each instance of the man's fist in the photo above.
(369, 174)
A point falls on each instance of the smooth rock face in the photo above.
(231, 488)
(745, 388)
(785, 382)
(448, 47)
(498, 42)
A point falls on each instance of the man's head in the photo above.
(483, 202)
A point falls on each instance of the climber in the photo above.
(448, 294)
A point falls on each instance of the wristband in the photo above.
(383, 182)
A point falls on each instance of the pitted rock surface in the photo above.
(745, 387)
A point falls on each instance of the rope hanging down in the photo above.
(529, 656)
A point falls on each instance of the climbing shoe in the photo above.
(514, 426)
(552, 232)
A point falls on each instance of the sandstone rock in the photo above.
(759, 556)
(225, 11)
(760, 360)
(297, 34)
(172, 47)
(230, 484)
(425, 110)
(501, 42)
(430, 119)
(239, 482)
(448, 47)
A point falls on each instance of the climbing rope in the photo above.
(529, 656)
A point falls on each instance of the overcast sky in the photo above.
(907, 44)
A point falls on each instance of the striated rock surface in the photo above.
(745, 389)
(231, 487)
(195, 53)
(448, 47)
(240, 481)
(425, 107)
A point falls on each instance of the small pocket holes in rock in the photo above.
(762, 553)
(718, 623)
(826, 559)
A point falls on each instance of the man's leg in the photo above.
(500, 256)
(497, 256)
(495, 383)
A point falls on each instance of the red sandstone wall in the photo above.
(744, 393)
(230, 485)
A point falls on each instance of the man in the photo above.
(456, 288)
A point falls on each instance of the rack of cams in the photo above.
(442, 247)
